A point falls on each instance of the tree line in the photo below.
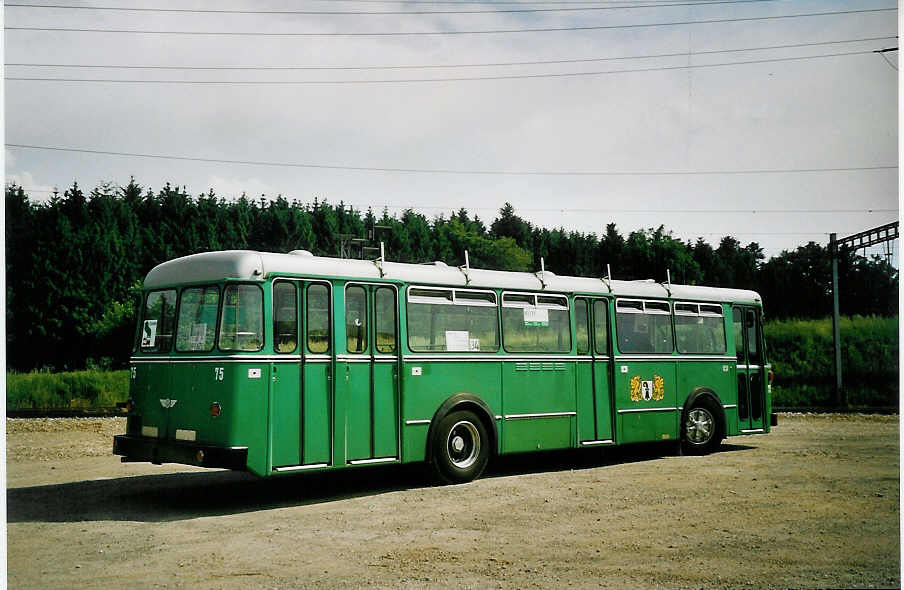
(74, 263)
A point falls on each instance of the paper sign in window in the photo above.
(536, 316)
(457, 341)
(149, 334)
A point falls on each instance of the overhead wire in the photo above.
(450, 32)
(447, 66)
(455, 171)
(428, 80)
(387, 12)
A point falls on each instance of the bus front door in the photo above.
(371, 373)
(751, 369)
(301, 392)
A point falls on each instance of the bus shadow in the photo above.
(189, 495)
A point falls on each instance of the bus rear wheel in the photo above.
(460, 448)
(701, 431)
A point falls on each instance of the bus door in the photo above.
(751, 369)
(301, 392)
(594, 394)
(602, 371)
(371, 373)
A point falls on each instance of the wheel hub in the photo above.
(458, 444)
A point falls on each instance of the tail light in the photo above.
(215, 409)
(771, 376)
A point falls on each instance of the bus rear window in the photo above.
(197, 319)
(157, 321)
(242, 322)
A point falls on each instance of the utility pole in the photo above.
(877, 235)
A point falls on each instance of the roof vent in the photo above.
(301, 253)
(439, 263)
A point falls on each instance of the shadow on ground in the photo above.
(181, 496)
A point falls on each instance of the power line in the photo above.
(394, 12)
(624, 3)
(454, 171)
(424, 33)
(446, 66)
(424, 80)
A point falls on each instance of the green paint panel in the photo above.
(316, 413)
(423, 394)
(538, 434)
(385, 410)
(284, 421)
(651, 426)
(603, 399)
(358, 433)
(585, 393)
(646, 385)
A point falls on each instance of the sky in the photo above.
(781, 151)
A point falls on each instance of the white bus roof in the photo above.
(250, 265)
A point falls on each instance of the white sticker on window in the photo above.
(198, 337)
(536, 316)
(457, 340)
(149, 334)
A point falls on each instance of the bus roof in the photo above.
(250, 265)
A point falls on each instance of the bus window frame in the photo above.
(537, 304)
(453, 301)
(274, 283)
(303, 330)
(144, 303)
(216, 335)
(643, 311)
(263, 343)
(700, 313)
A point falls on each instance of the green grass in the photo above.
(75, 389)
(801, 352)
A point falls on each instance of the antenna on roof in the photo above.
(608, 278)
(668, 282)
(541, 273)
(466, 269)
(379, 261)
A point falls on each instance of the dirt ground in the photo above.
(814, 504)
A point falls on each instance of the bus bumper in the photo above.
(157, 451)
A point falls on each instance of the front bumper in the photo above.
(157, 451)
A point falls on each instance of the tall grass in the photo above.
(74, 389)
(802, 353)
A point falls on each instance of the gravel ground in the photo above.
(814, 504)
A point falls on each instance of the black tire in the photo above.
(460, 448)
(702, 430)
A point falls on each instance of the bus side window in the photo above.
(285, 317)
(157, 321)
(601, 326)
(356, 319)
(582, 332)
(385, 318)
(318, 318)
(242, 320)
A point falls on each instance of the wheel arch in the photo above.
(699, 394)
(463, 401)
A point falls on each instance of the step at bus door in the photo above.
(371, 373)
(594, 379)
(301, 390)
(751, 369)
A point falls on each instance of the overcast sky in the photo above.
(709, 124)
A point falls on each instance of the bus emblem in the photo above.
(168, 403)
(652, 390)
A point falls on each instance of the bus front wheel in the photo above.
(460, 448)
(701, 431)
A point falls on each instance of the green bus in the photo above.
(282, 363)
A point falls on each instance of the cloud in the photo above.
(35, 190)
(232, 188)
